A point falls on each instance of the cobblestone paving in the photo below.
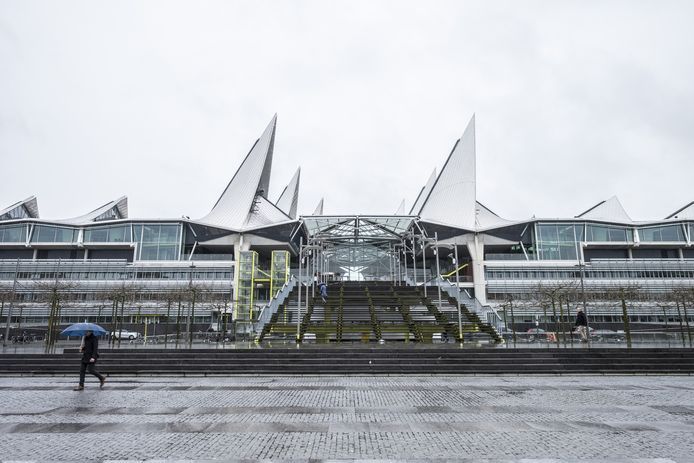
(469, 419)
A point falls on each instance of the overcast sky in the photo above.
(160, 101)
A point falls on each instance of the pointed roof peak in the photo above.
(685, 212)
(28, 208)
(401, 208)
(251, 179)
(423, 193)
(452, 199)
(112, 210)
(289, 198)
(319, 208)
(610, 210)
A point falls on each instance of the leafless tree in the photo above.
(55, 293)
(622, 294)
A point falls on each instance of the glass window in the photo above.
(49, 234)
(169, 234)
(119, 234)
(167, 252)
(158, 241)
(602, 233)
(149, 252)
(558, 241)
(13, 234)
(664, 233)
(116, 234)
(96, 235)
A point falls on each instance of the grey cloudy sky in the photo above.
(575, 102)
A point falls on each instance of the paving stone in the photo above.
(616, 419)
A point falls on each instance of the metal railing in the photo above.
(487, 313)
(273, 306)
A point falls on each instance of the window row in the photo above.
(149, 275)
(589, 274)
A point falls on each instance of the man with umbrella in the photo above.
(89, 349)
(90, 352)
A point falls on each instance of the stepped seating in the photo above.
(365, 360)
(374, 311)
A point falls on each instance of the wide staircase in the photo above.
(373, 312)
(331, 360)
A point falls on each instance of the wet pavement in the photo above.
(442, 418)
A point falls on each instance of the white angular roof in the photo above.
(239, 201)
(289, 199)
(686, 212)
(452, 199)
(401, 208)
(263, 213)
(423, 193)
(488, 219)
(610, 210)
(319, 208)
(113, 210)
(28, 207)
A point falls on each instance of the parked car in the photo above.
(536, 334)
(608, 336)
(124, 334)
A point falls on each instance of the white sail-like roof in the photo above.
(423, 193)
(452, 199)
(235, 206)
(488, 219)
(263, 213)
(401, 208)
(27, 209)
(289, 199)
(610, 210)
(686, 212)
(319, 208)
(113, 210)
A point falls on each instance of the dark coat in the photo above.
(581, 319)
(91, 348)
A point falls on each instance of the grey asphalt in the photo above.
(368, 418)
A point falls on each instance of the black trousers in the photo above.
(91, 367)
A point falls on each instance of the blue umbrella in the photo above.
(80, 329)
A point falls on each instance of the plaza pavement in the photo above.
(385, 418)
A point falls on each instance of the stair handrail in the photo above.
(274, 304)
(464, 297)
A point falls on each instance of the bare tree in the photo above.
(554, 295)
(622, 294)
(683, 297)
(54, 293)
(119, 296)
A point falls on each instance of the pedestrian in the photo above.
(582, 324)
(323, 288)
(90, 353)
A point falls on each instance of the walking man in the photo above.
(323, 288)
(90, 353)
(582, 324)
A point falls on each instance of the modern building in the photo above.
(228, 265)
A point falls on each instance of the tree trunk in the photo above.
(178, 321)
(686, 321)
(568, 316)
(679, 317)
(556, 322)
(192, 318)
(513, 324)
(166, 325)
(625, 320)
